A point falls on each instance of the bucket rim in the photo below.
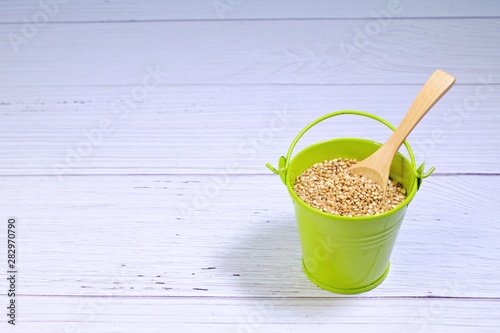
(350, 219)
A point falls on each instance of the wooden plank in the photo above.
(200, 129)
(347, 314)
(232, 236)
(107, 11)
(253, 52)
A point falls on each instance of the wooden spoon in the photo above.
(377, 165)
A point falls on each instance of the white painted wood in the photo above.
(101, 10)
(165, 236)
(200, 129)
(234, 315)
(133, 244)
(254, 52)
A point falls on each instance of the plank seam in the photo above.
(205, 175)
(263, 19)
(474, 298)
(263, 85)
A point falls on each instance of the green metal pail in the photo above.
(347, 255)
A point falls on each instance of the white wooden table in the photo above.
(133, 142)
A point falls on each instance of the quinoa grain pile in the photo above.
(328, 187)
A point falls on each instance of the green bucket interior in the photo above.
(352, 148)
(347, 255)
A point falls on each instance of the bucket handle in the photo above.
(283, 161)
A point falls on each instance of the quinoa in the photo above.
(329, 187)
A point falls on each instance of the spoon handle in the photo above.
(432, 91)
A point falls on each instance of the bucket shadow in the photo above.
(267, 262)
(268, 274)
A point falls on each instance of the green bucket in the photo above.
(347, 255)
